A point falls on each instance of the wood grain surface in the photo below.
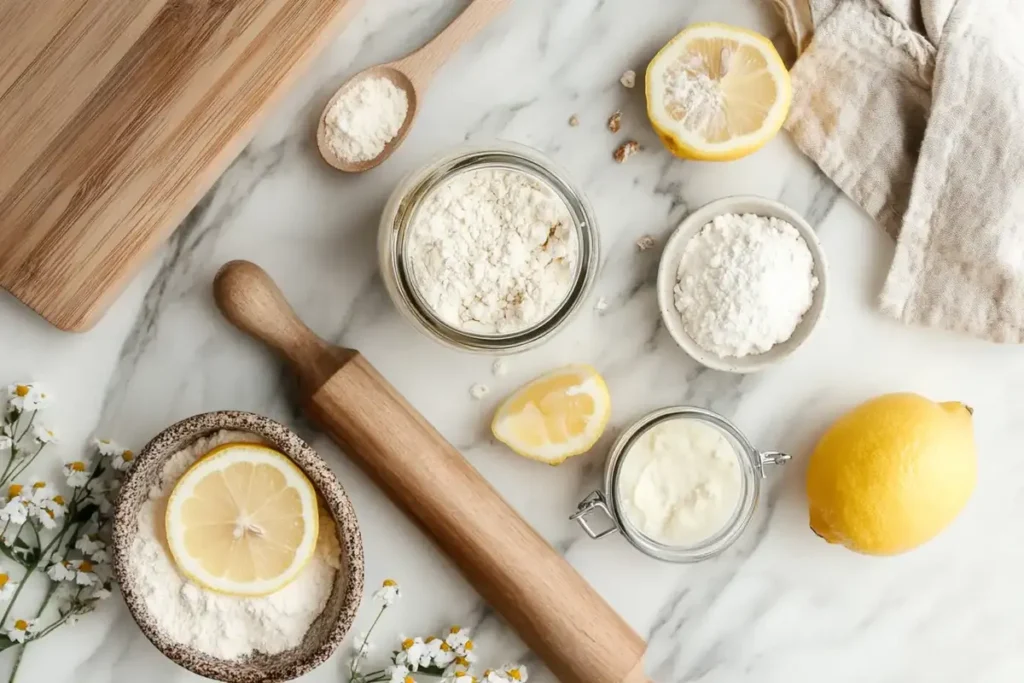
(555, 611)
(116, 116)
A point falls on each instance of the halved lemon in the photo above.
(242, 520)
(556, 416)
(717, 92)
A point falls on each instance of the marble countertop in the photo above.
(780, 605)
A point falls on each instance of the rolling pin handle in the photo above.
(250, 300)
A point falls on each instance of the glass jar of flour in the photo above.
(681, 484)
(488, 249)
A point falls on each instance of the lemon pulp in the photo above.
(242, 520)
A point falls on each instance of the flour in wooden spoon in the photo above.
(365, 118)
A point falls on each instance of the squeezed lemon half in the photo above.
(717, 92)
(556, 416)
(242, 520)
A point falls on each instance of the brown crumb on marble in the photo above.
(628, 79)
(626, 150)
(644, 243)
(574, 120)
(615, 122)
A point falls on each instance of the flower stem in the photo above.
(28, 426)
(21, 468)
(42, 608)
(366, 643)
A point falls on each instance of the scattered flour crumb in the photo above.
(615, 122)
(626, 150)
(366, 117)
(574, 120)
(644, 243)
(478, 391)
(500, 367)
(628, 79)
(601, 305)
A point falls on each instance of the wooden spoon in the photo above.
(412, 74)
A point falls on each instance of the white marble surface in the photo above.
(780, 605)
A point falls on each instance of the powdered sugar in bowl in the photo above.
(488, 249)
(742, 283)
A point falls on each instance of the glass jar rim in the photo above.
(751, 466)
(517, 157)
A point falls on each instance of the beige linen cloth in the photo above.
(915, 109)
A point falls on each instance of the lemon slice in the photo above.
(242, 520)
(556, 416)
(717, 92)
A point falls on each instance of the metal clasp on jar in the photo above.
(771, 458)
(595, 502)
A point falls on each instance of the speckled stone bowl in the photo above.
(326, 632)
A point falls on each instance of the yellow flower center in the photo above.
(58, 499)
(78, 466)
(430, 639)
(455, 629)
(445, 647)
(21, 625)
(21, 390)
(462, 661)
(86, 566)
(407, 643)
(514, 674)
(128, 456)
(39, 484)
(14, 490)
(4, 578)
(469, 645)
(408, 679)
(388, 583)
(50, 512)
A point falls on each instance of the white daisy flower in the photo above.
(72, 620)
(101, 593)
(90, 544)
(45, 517)
(39, 489)
(5, 442)
(388, 592)
(457, 638)
(85, 572)
(14, 511)
(107, 448)
(27, 397)
(414, 654)
(43, 434)
(398, 674)
(21, 628)
(515, 672)
(62, 571)
(7, 587)
(440, 653)
(458, 677)
(77, 473)
(123, 460)
(102, 494)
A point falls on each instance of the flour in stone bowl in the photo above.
(744, 284)
(224, 626)
(492, 251)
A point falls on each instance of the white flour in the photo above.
(222, 625)
(492, 251)
(744, 283)
(365, 118)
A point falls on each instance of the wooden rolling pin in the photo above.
(577, 634)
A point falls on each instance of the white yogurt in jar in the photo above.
(680, 482)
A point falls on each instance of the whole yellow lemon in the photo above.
(892, 473)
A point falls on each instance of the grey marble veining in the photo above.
(778, 606)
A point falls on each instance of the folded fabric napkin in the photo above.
(915, 109)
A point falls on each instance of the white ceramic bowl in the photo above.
(669, 266)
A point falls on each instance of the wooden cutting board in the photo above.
(116, 116)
